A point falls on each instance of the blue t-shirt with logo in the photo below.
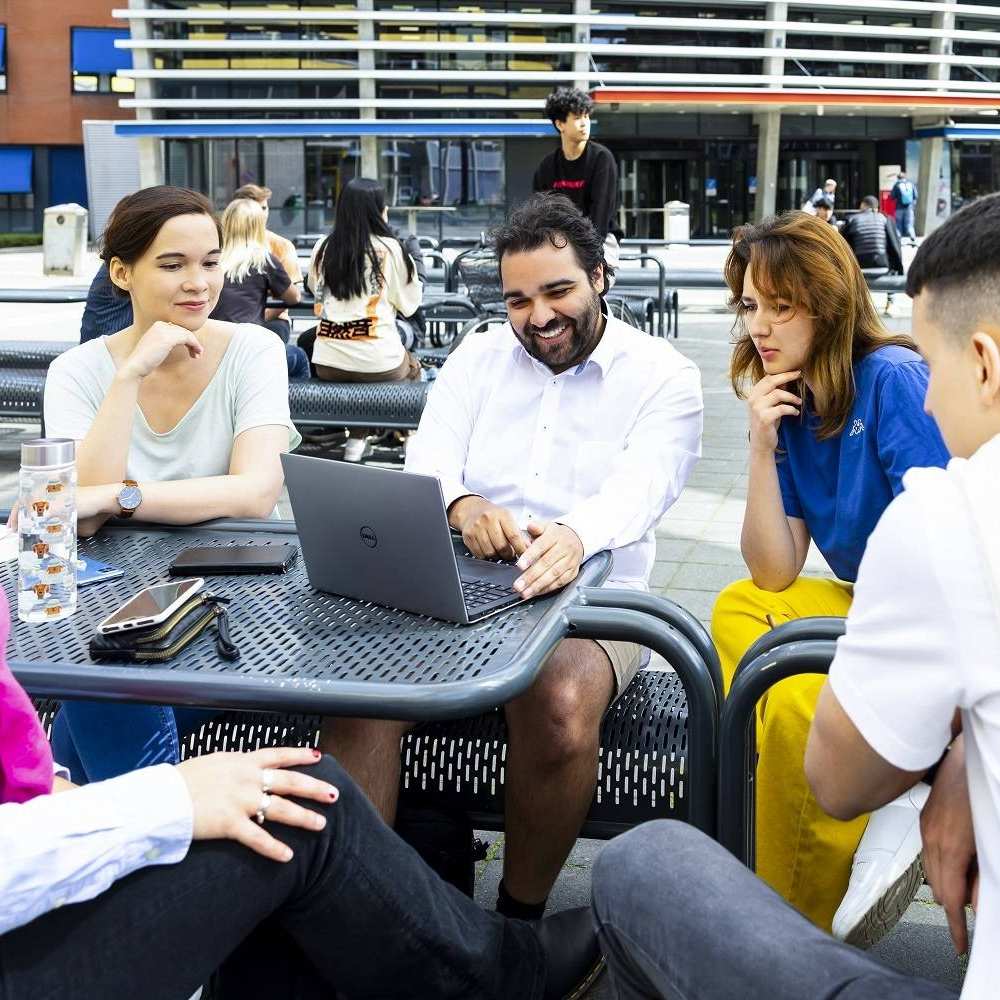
(841, 486)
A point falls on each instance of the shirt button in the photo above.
(152, 854)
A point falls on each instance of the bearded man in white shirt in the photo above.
(916, 675)
(563, 434)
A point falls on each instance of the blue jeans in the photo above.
(101, 739)
(298, 363)
(904, 221)
(678, 916)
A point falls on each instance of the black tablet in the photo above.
(220, 560)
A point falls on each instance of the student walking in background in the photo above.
(904, 194)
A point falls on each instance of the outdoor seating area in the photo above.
(500, 502)
(680, 741)
(497, 506)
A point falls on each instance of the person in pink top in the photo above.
(25, 758)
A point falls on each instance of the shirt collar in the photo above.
(602, 355)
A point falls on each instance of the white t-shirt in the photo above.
(922, 639)
(383, 350)
(248, 389)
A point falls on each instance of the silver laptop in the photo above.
(380, 535)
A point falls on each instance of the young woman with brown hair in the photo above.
(836, 419)
(178, 418)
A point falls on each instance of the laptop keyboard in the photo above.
(480, 594)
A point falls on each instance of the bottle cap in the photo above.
(42, 452)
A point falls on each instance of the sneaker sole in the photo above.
(582, 987)
(885, 914)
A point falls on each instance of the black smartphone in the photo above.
(224, 560)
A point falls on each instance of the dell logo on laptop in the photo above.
(369, 537)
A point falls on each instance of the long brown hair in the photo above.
(806, 262)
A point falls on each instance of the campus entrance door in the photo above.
(646, 185)
(725, 192)
(800, 173)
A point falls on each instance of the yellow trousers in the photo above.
(802, 853)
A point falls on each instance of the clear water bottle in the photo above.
(46, 530)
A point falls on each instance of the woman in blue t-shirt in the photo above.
(836, 419)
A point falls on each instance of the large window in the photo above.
(96, 61)
(305, 177)
(17, 213)
(466, 176)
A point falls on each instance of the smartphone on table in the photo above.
(90, 571)
(228, 560)
(151, 606)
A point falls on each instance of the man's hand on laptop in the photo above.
(489, 531)
(551, 561)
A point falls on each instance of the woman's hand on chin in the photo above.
(155, 345)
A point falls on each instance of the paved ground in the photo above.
(697, 551)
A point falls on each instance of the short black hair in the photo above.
(870, 201)
(553, 219)
(566, 101)
(823, 203)
(959, 266)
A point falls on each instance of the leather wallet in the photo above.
(157, 643)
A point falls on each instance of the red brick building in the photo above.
(58, 67)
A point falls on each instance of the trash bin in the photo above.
(677, 221)
(64, 239)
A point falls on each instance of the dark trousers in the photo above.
(678, 916)
(357, 903)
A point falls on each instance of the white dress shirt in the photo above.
(605, 447)
(71, 846)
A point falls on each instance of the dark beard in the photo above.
(588, 327)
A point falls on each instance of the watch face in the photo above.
(129, 497)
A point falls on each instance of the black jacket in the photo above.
(874, 240)
(590, 182)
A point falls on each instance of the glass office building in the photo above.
(736, 108)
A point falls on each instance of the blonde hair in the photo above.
(244, 239)
(798, 258)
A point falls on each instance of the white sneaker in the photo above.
(355, 449)
(886, 873)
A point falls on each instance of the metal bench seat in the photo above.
(31, 353)
(21, 393)
(393, 405)
(642, 768)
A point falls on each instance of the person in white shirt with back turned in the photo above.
(915, 676)
(565, 433)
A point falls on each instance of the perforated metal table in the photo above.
(315, 654)
(302, 651)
